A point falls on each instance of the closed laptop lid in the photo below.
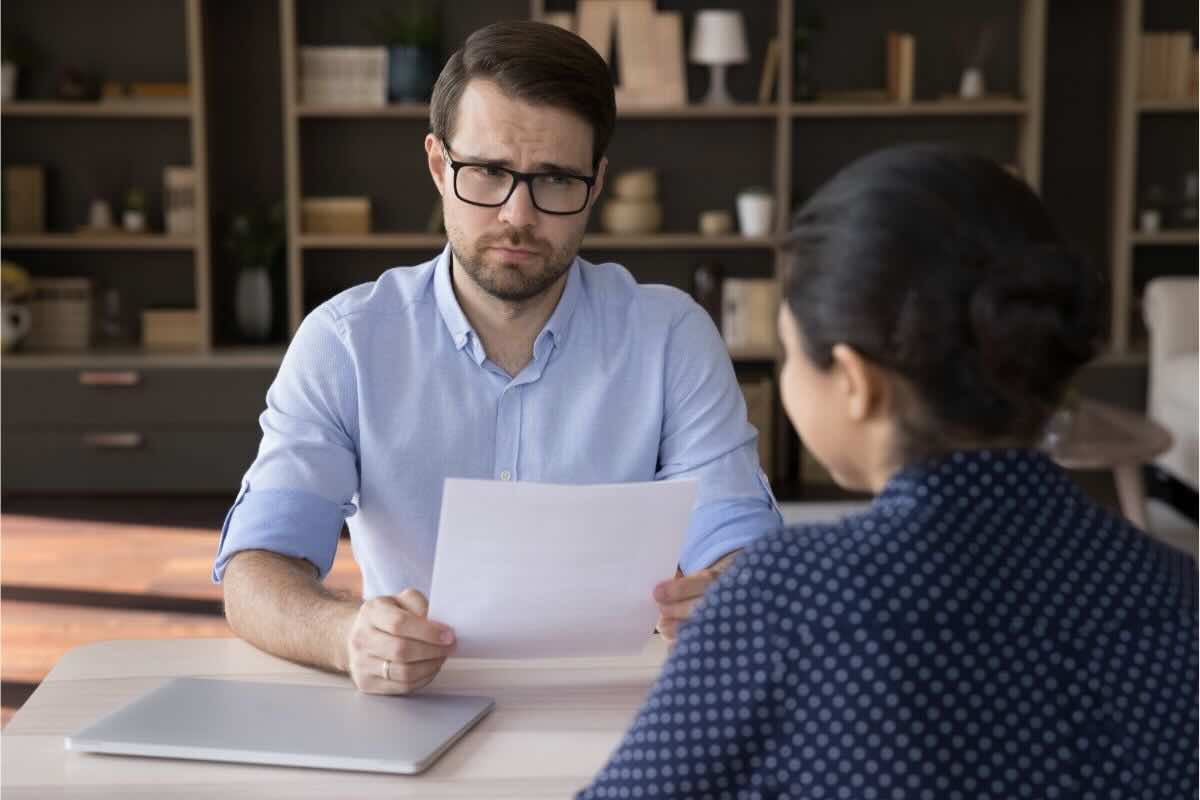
(285, 724)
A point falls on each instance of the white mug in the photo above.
(755, 211)
(17, 321)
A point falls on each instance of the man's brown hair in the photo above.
(534, 62)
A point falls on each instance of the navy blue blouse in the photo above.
(982, 630)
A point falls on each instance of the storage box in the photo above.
(339, 215)
(343, 76)
(24, 199)
(748, 313)
(62, 314)
(171, 329)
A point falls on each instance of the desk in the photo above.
(555, 723)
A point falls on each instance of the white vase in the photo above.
(755, 210)
(252, 303)
(8, 81)
(972, 86)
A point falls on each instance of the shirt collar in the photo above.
(460, 328)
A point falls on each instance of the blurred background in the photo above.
(185, 179)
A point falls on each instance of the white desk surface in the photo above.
(554, 725)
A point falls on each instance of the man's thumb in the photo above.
(413, 601)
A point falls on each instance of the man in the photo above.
(507, 358)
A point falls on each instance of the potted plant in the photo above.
(255, 240)
(410, 35)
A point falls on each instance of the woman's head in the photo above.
(930, 305)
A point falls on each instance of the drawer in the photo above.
(126, 460)
(148, 398)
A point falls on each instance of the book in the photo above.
(343, 76)
(596, 19)
(770, 72)
(560, 19)
(901, 56)
(636, 45)
(672, 72)
(24, 198)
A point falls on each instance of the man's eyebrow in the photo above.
(544, 166)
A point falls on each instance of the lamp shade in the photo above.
(719, 37)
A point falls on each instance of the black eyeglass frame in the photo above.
(518, 178)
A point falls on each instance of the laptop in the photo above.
(286, 725)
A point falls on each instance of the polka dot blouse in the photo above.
(983, 630)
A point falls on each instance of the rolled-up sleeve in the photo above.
(303, 482)
(706, 436)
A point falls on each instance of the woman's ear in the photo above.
(866, 387)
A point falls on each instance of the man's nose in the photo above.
(519, 210)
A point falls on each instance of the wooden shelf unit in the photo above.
(191, 111)
(85, 241)
(165, 109)
(1130, 111)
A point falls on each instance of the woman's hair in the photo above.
(534, 62)
(945, 269)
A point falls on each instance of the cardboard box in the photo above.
(171, 329)
(335, 215)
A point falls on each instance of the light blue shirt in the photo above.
(386, 391)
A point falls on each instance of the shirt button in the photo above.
(505, 475)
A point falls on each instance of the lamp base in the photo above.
(717, 95)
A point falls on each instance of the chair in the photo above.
(1171, 308)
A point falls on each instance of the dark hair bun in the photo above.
(1033, 320)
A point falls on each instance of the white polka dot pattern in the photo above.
(982, 631)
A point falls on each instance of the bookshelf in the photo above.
(774, 137)
(1166, 250)
(29, 122)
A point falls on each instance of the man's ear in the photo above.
(437, 162)
(598, 186)
(867, 387)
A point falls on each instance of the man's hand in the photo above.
(392, 648)
(677, 597)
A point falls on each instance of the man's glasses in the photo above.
(490, 186)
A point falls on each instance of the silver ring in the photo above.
(386, 671)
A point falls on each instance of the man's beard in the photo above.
(511, 282)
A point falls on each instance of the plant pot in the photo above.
(252, 304)
(631, 217)
(410, 74)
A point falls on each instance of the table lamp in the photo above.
(719, 39)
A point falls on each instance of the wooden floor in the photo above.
(76, 571)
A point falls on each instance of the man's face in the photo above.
(514, 252)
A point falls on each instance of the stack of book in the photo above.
(1168, 66)
(901, 66)
(62, 314)
(343, 76)
(171, 329)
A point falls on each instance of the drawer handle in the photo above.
(113, 441)
(119, 378)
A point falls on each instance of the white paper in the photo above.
(534, 570)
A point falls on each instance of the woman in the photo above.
(983, 629)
